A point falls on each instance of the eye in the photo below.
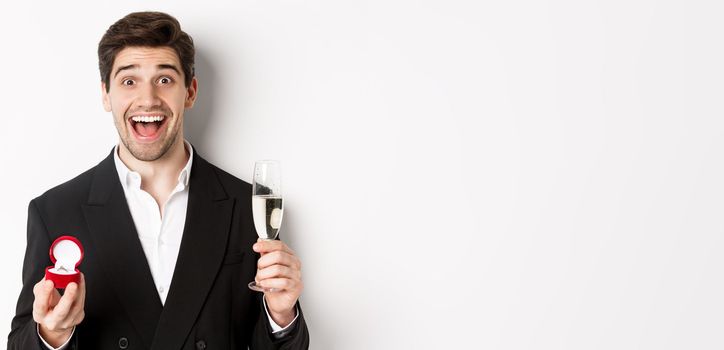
(128, 82)
(164, 80)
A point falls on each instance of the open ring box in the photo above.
(66, 253)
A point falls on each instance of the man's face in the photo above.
(147, 97)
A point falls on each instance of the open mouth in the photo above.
(147, 127)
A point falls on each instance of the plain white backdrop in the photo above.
(458, 174)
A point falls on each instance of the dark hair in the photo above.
(149, 29)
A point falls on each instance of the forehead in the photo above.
(146, 57)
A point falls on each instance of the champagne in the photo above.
(268, 212)
(266, 206)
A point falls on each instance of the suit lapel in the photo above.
(208, 219)
(119, 250)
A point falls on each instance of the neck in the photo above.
(164, 170)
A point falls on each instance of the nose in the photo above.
(148, 96)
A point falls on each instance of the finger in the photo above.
(75, 316)
(280, 258)
(54, 298)
(278, 284)
(37, 286)
(277, 271)
(266, 246)
(77, 312)
(81, 289)
(48, 289)
(62, 310)
(44, 295)
(42, 299)
(79, 303)
(78, 319)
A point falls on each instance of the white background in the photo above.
(458, 174)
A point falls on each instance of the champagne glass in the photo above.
(266, 204)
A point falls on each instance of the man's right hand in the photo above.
(56, 316)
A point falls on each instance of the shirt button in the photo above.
(161, 289)
(123, 343)
(201, 345)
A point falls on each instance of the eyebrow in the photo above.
(135, 66)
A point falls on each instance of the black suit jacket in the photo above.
(208, 305)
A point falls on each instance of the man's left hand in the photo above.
(280, 269)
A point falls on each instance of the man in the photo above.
(169, 238)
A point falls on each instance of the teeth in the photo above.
(147, 119)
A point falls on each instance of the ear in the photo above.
(191, 93)
(106, 98)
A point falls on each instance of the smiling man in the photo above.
(169, 238)
(149, 115)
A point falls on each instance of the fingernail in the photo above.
(256, 247)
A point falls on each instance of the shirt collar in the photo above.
(131, 178)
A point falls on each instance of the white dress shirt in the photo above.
(160, 233)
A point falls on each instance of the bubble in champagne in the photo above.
(275, 221)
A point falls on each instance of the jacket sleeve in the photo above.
(296, 338)
(23, 334)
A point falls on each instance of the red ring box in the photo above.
(66, 253)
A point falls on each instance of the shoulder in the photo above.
(231, 184)
(69, 193)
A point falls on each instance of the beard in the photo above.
(144, 151)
